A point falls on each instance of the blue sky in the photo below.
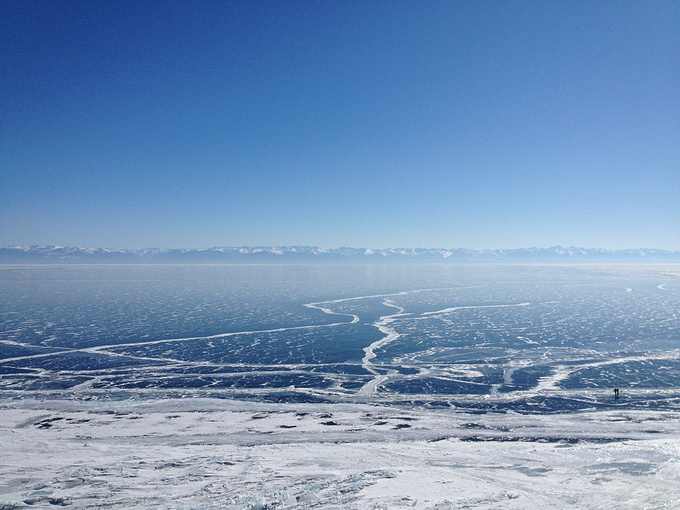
(130, 124)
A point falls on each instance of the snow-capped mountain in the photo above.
(309, 254)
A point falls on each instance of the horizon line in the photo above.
(290, 246)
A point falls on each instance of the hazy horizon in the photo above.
(331, 248)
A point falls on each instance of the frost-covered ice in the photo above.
(355, 387)
(203, 453)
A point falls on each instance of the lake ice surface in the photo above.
(339, 386)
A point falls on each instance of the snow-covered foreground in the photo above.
(203, 453)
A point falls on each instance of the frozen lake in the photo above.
(345, 386)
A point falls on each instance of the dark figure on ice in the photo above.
(616, 393)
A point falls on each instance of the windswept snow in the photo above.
(201, 453)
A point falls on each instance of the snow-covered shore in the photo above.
(211, 453)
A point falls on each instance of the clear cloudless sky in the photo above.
(438, 124)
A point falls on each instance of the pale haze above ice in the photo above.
(405, 124)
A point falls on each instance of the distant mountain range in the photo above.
(311, 254)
